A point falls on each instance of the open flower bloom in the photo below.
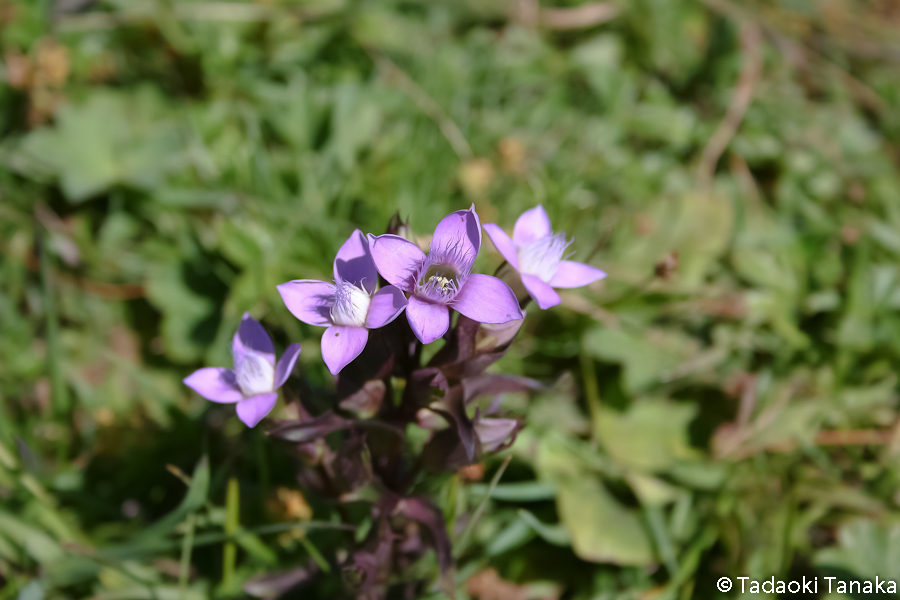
(537, 254)
(443, 279)
(349, 307)
(253, 382)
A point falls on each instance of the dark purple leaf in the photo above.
(424, 386)
(352, 464)
(472, 347)
(369, 568)
(274, 585)
(366, 401)
(313, 429)
(491, 384)
(421, 509)
(453, 408)
(445, 452)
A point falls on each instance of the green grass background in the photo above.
(164, 165)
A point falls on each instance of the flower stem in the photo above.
(470, 526)
(187, 548)
(232, 523)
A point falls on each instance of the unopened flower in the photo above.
(494, 433)
(443, 278)
(349, 307)
(538, 255)
(253, 382)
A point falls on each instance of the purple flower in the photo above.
(349, 307)
(443, 279)
(255, 377)
(537, 254)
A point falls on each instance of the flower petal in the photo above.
(386, 305)
(215, 384)
(397, 259)
(286, 364)
(460, 229)
(486, 299)
(354, 262)
(252, 410)
(309, 300)
(503, 244)
(543, 294)
(251, 337)
(571, 274)
(340, 345)
(428, 321)
(532, 224)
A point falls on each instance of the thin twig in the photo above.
(578, 17)
(744, 177)
(187, 548)
(476, 516)
(797, 52)
(428, 105)
(743, 94)
(591, 391)
(851, 437)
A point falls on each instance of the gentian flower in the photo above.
(443, 279)
(253, 382)
(349, 307)
(537, 254)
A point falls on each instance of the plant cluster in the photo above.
(383, 386)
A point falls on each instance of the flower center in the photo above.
(440, 283)
(541, 257)
(254, 374)
(444, 272)
(351, 305)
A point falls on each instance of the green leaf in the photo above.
(184, 311)
(650, 437)
(517, 533)
(526, 491)
(193, 500)
(556, 534)
(866, 548)
(602, 530)
(647, 358)
(111, 138)
(37, 544)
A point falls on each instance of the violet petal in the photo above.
(460, 229)
(286, 364)
(216, 384)
(251, 337)
(540, 291)
(397, 259)
(354, 263)
(503, 243)
(531, 225)
(571, 274)
(309, 300)
(486, 299)
(386, 305)
(428, 321)
(340, 345)
(252, 410)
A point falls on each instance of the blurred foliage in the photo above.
(723, 404)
